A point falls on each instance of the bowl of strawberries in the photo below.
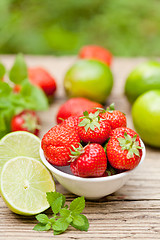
(92, 155)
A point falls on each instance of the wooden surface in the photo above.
(133, 212)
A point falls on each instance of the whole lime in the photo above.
(146, 117)
(143, 78)
(89, 78)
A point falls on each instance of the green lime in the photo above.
(24, 183)
(143, 78)
(18, 143)
(146, 117)
(91, 79)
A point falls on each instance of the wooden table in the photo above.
(133, 212)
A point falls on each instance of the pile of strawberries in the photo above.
(94, 144)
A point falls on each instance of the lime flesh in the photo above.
(146, 117)
(24, 183)
(18, 143)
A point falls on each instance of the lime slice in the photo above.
(24, 183)
(18, 143)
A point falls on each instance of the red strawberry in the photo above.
(124, 150)
(96, 52)
(41, 78)
(75, 107)
(89, 161)
(57, 142)
(114, 117)
(27, 120)
(93, 129)
(72, 122)
(119, 132)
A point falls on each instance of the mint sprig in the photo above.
(11, 103)
(63, 216)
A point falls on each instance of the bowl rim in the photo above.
(93, 179)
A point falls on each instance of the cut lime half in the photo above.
(18, 143)
(24, 183)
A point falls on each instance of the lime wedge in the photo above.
(24, 183)
(18, 143)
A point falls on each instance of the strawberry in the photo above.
(119, 132)
(75, 107)
(114, 117)
(40, 77)
(92, 128)
(57, 142)
(71, 122)
(124, 150)
(96, 52)
(26, 120)
(89, 161)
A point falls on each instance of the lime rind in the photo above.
(24, 183)
(19, 143)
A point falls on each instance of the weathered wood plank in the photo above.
(133, 212)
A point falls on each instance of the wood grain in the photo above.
(133, 212)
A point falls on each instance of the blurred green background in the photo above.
(61, 27)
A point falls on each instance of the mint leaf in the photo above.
(63, 217)
(78, 219)
(34, 97)
(42, 227)
(65, 212)
(77, 205)
(52, 196)
(2, 70)
(83, 227)
(60, 225)
(56, 205)
(5, 89)
(57, 232)
(18, 72)
(42, 218)
(52, 220)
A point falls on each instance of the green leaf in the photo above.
(111, 108)
(57, 232)
(56, 205)
(84, 122)
(52, 196)
(2, 70)
(18, 72)
(42, 227)
(85, 113)
(65, 212)
(77, 205)
(2, 122)
(52, 220)
(34, 97)
(5, 89)
(83, 227)
(60, 225)
(92, 126)
(78, 219)
(42, 218)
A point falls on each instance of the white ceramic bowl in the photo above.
(90, 188)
